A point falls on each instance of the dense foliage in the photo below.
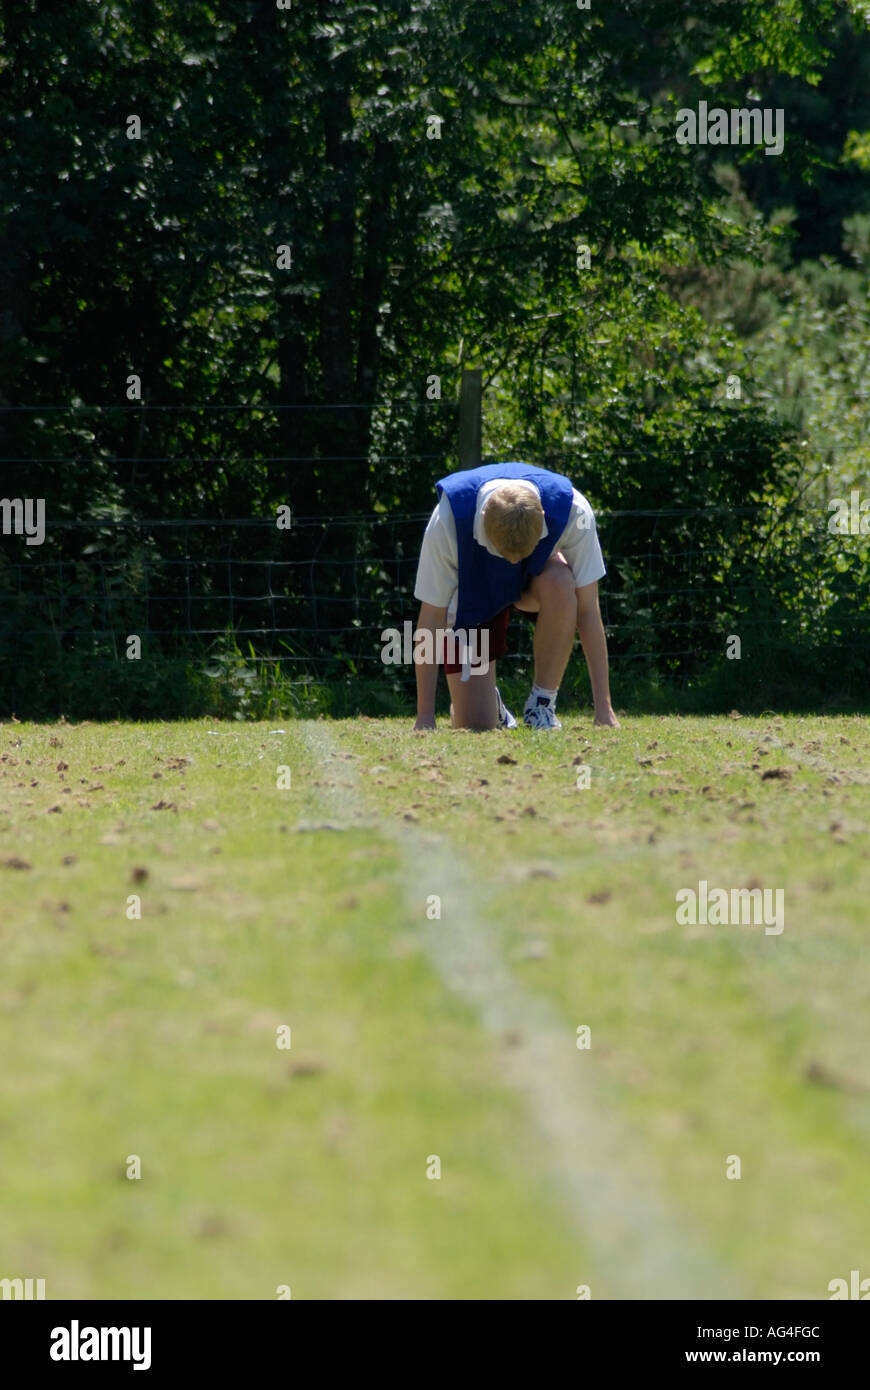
(329, 205)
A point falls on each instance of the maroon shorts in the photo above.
(497, 640)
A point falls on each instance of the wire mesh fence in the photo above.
(316, 589)
(323, 591)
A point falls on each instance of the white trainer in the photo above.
(505, 719)
(539, 714)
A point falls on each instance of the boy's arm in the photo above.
(591, 630)
(427, 672)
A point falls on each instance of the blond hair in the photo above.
(512, 519)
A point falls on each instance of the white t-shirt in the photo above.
(438, 570)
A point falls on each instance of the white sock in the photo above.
(539, 692)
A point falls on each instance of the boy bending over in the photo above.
(510, 536)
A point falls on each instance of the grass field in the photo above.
(416, 1037)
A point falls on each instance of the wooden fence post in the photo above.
(469, 418)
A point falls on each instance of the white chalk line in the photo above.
(640, 1246)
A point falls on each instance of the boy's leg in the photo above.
(473, 702)
(551, 594)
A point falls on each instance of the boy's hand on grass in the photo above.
(605, 719)
(423, 723)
